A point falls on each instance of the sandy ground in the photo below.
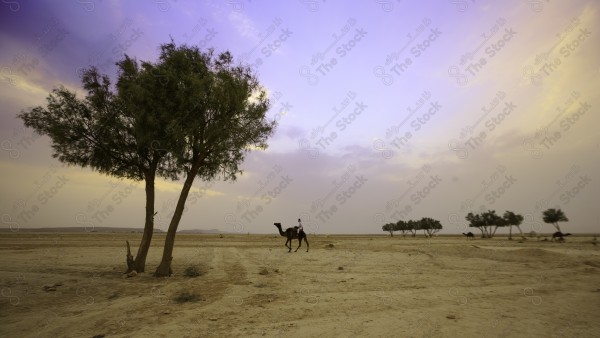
(345, 286)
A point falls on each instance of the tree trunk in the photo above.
(482, 232)
(510, 232)
(521, 231)
(130, 262)
(140, 258)
(494, 232)
(391, 234)
(557, 227)
(164, 269)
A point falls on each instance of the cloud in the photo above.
(244, 25)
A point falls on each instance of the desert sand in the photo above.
(72, 285)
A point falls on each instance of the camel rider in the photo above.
(300, 228)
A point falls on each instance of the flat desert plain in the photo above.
(72, 285)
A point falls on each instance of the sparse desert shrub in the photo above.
(192, 271)
(263, 271)
(187, 297)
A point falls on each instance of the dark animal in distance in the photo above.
(469, 235)
(559, 236)
(291, 233)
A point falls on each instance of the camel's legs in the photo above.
(299, 244)
(289, 246)
(306, 240)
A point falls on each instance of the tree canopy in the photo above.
(429, 226)
(553, 216)
(219, 114)
(190, 114)
(111, 130)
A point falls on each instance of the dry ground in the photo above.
(345, 286)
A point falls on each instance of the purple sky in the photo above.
(386, 110)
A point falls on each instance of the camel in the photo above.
(559, 236)
(469, 235)
(291, 233)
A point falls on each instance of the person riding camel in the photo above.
(300, 227)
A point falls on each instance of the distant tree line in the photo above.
(487, 222)
(429, 226)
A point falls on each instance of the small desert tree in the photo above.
(430, 226)
(402, 227)
(491, 219)
(389, 227)
(511, 219)
(487, 222)
(553, 216)
(219, 114)
(413, 227)
(475, 221)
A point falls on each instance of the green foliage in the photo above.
(216, 113)
(429, 225)
(389, 227)
(487, 222)
(101, 131)
(512, 219)
(554, 216)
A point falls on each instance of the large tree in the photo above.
(112, 132)
(511, 219)
(553, 216)
(219, 114)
